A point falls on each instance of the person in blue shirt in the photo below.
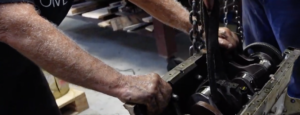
(275, 22)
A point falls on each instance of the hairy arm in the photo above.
(169, 12)
(37, 39)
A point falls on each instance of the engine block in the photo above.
(257, 80)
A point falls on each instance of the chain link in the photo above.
(195, 32)
(195, 20)
(239, 30)
(225, 10)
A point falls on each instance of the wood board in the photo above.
(73, 102)
(97, 14)
(148, 19)
(150, 28)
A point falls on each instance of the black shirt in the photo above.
(24, 89)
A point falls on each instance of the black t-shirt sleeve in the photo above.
(53, 10)
(16, 1)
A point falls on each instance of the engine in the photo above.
(257, 79)
(248, 81)
(247, 74)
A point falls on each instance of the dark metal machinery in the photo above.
(247, 82)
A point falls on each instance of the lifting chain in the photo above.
(195, 19)
(239, 30)
(195, 32)
(225, 10)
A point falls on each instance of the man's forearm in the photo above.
(169, 12)
(41, 42)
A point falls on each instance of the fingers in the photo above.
(227, 39)
(235, 37)
(153, 106)
(150, 90)
(162, 93)
(224, 43)
(165, 93)
(223, 31)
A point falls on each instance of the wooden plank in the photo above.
(120, 22)
(97, 14)
(136, 27)
(148, 19)
(150, 28)
(69, 97)
(73, 102)
(115, 4)
(90, 20)
(104, 24)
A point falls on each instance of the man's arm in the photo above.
(170, 12)
(41, 42)
(37, 39)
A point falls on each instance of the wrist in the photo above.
(111, 84)
(121, 85)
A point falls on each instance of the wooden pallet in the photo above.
(73, 102)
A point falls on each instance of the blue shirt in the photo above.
(275, 22)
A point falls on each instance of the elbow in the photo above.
(3, 32)
(14, 19)
(7, 30)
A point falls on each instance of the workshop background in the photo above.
(124, 37)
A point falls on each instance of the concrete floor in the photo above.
(122, 51)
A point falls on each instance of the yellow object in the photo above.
(58, 87)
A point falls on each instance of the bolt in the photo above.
(267, 90)
(278, 95)
(243, 88)
(199, 77)
(175, 97)
(284, 110)
(181, 71)
(293, 101)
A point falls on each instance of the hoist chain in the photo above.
(195, 32)
(225, 10)
(239, 30)
(196, 21)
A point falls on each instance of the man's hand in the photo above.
(150, 90)
(227, 39)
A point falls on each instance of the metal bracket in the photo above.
(263, 101)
